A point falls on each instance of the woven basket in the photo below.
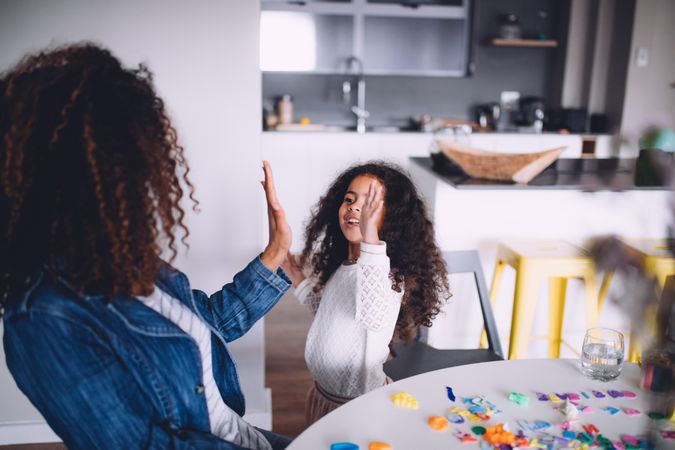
(516, 167)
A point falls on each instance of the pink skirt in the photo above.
(319, 402)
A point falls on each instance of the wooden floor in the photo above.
(286, 373)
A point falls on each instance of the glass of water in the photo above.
(602, 354)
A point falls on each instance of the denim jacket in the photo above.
(118, 375)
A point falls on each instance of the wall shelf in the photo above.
(546, 43)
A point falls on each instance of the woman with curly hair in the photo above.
(108, 341)
(373, 273)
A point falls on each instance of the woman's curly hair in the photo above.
(409, 234)
(91, 173)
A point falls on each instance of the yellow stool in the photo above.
(556, 260)
(658, 262)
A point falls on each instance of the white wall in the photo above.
(650, 93)
(204, 56)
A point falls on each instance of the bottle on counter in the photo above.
(285, 109)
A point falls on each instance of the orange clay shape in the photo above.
(438, 423)
(379, 446)
(496, 435)
(405, 400)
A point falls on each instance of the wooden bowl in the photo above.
(516, 167)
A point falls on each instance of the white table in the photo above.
(373, 417)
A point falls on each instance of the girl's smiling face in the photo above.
(349, 214)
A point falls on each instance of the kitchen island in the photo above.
(574, 200)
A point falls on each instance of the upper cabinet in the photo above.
(405, 37)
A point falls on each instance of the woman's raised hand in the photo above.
(371, 214)
(279, 231)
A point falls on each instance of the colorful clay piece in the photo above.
(585, 409)
(598, 394)
(344, 446)
(611, 410)
(656, 416)
(497, 435)
(451, 395)
(631, 412)
(533, 425)
(405, 400)
(554, 398)
(628, 439)
(534, 443)
(668, 434)
(463, 437)
(562, 396)
(573, 397)
(375, 445)
(590, 428)
(438, 423)
(585, 438)
(586, 396)
(518, 398)
(629, 394)
(569, 434)
(455, 418)
(615, 394)
(478, 430)
(541, 396)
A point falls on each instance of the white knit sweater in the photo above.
(354, 320)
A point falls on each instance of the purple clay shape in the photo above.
(561, 396)
(615, 394)
(451, 396)
(629, 394)
(598, 394)
(542, 397)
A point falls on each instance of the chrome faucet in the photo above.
(355, 67)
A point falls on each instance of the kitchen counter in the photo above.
(614, 174)
(478, 214)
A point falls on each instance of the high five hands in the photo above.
(279, 231)
(371, 214)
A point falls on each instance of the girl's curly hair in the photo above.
(91, 173)
(408, 232)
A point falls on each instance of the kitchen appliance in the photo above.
(487, 115)
(532, 113)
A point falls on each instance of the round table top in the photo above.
(375, 417)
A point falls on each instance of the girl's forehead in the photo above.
(362, 182)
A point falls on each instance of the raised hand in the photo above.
(371, 214)
(280, 235)
(293, 269)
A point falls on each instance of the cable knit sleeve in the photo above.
(377, 303)
(306, 295)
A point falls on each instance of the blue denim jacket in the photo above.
(116, 374)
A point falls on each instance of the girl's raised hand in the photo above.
(279, 231)
(293, 269)
(371, 214)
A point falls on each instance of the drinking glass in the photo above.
(602, 354)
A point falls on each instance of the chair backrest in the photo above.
(468, 261)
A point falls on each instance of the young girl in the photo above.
(370, 271)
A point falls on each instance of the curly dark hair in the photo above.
(90, 171)
(408, 232)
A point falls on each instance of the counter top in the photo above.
(590, 174)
